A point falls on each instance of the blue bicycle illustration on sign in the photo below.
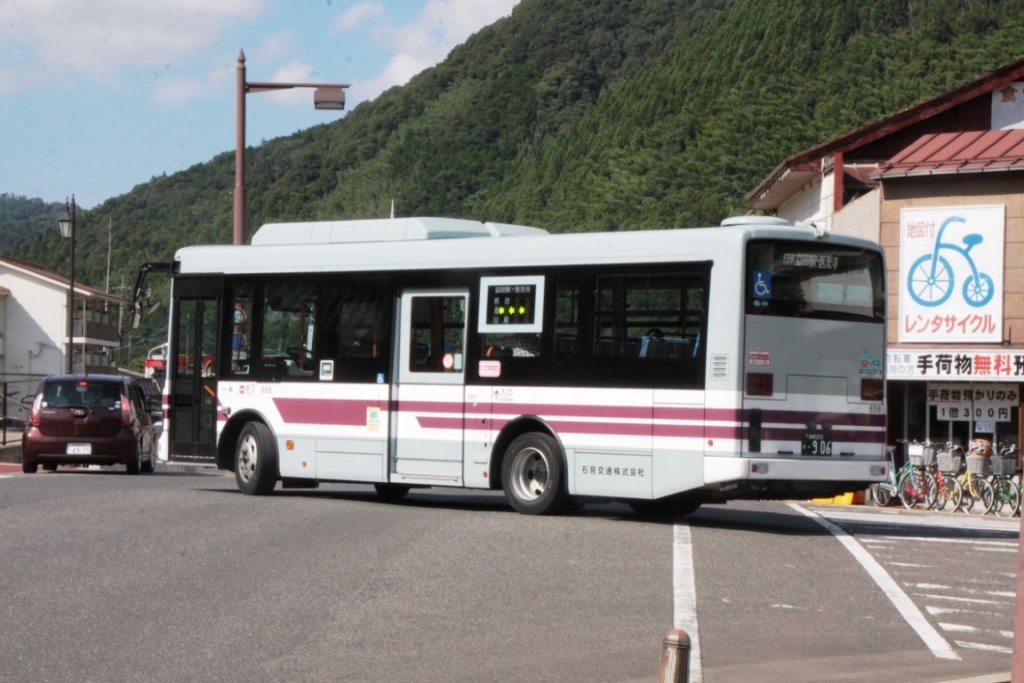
(931, 279)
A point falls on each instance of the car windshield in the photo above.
(82, 393)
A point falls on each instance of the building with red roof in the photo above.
(940, 184)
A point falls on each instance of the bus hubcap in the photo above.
(247, 458)
(530, 474)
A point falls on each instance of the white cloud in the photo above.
(49, 40)
(427, 40)
(175, 93)
(357, 14)
(292, 72)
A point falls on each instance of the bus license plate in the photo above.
(78, 449)
(815, 443)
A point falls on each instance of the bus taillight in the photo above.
(760, 384)
(871, 389)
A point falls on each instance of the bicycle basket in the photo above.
(979, 464)
(929, 453)
(950, 463)
(982, 447)
(1003, 465)
(916, 459)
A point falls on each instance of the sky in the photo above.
(98, 96)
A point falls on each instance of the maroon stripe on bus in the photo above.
(347, 412)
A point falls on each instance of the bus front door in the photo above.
(427, 410)
(192, 371)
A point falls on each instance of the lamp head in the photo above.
(65, 224)
(329, 97)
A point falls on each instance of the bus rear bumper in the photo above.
(781, 477)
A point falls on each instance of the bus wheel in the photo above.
(256, 460)
(532, 475)
(391, 491)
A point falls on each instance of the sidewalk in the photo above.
(12, 451)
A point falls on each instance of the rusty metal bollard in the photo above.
(675, 657)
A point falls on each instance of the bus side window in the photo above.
(510, 345)
(289, 324)
(647, 328)
(354, 333)
(567, 318)
(241, 329)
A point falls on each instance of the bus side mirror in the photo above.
(137, 316)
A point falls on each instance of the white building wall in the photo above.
(862, 217)
(36, 324)
(812, 204)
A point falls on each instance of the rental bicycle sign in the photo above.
(951, 274)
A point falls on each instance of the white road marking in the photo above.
(904, 605)
(685, 594)
(984, 646)
(957, 598)
(899, 518)
(961, 541)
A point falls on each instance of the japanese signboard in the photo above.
(951, 274)
(958, 401)
(990, 365)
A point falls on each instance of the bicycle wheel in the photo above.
(978, 292)
(944, 493)
(1005, 497)
(981, 495)
(956, 496)
(917, 490)
(881, 494)
(928, 287)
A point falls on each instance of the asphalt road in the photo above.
(175, 576)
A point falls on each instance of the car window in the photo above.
(89, 394)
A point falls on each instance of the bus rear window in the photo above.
(813, 280)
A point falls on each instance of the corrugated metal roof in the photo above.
(976, 151)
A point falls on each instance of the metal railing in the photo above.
(17, 391)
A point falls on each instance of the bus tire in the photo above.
(256, 460)
(533, 476)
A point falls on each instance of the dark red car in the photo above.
(89, 420)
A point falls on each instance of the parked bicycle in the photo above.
(978, 497)
(949, 493)
(1005, 491)
(917, 487)
(912, 484)
(881, 493)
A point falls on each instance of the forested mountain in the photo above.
(581, 115)
(23, 219)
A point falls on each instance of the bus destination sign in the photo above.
(512, 304)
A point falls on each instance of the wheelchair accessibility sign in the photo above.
(951, 274)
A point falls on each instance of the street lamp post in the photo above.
(325, 96)
(67, 231)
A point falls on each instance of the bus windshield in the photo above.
(808, 280)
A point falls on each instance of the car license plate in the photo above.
(815, 444)
(78, 449)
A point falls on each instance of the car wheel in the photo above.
(29, 467)
(134, 466)
(533, 476)
(256, 460)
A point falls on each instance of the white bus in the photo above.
(661, 368)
